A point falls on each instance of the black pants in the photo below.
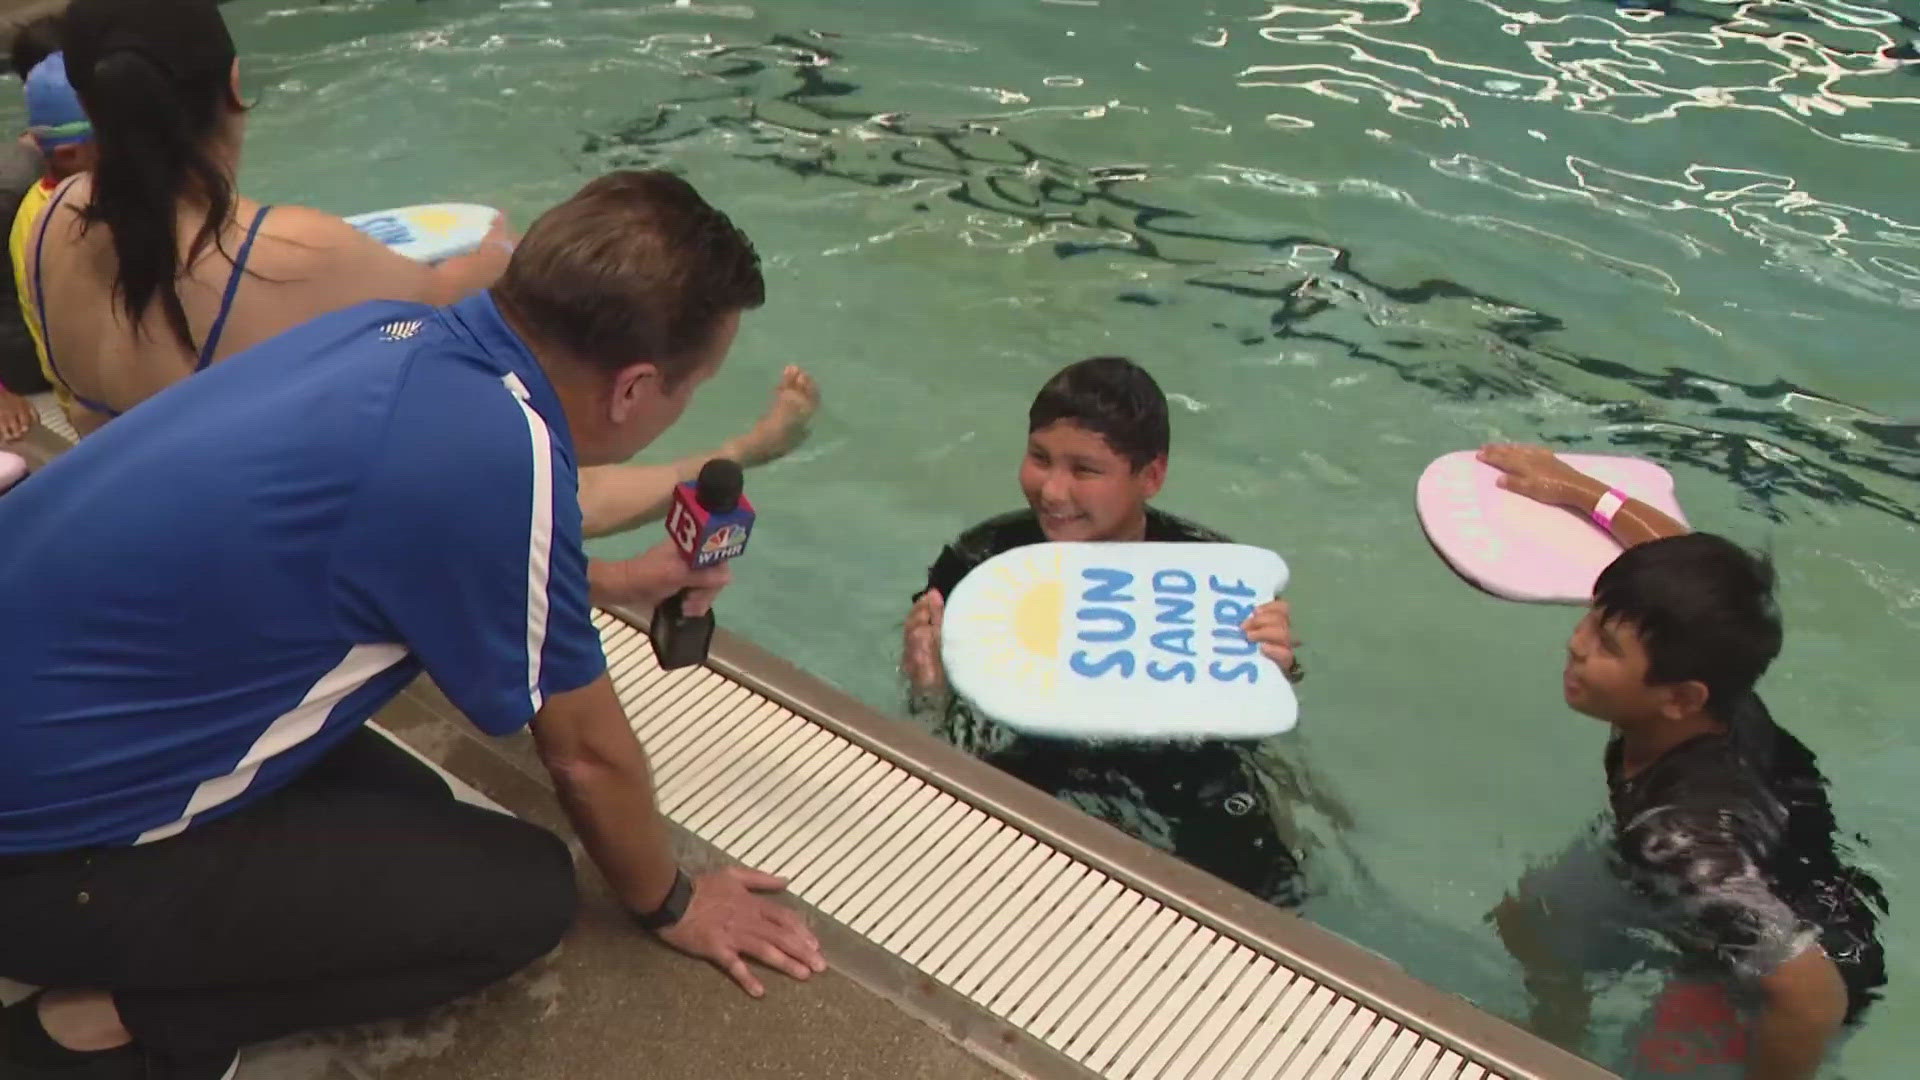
(362, 891)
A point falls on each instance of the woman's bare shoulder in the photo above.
(318, 250)
(300, 241)
(306, 227)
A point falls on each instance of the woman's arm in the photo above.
(343, 266)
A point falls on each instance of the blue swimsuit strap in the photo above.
(40, 304)
(233, 287)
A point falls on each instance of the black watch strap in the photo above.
(670, 909)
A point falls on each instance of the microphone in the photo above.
(708, 523)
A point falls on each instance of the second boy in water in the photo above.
(1720, 842)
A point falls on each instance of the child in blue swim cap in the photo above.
(60, 128)
(21, 166)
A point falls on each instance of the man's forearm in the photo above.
(603, 582)
(614, 582)
(611, 804)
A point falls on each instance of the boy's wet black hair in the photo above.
(34, 41)
(1113, 397)
(1704, 610)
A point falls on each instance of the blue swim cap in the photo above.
(54, 115)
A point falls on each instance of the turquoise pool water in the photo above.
(1348, 235)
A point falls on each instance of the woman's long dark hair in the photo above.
(154, 78)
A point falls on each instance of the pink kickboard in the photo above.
(1519, 549)
(13, 469)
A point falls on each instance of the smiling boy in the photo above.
(1097, 445)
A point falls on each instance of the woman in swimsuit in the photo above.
(154, 266)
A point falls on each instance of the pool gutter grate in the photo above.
(53, 418)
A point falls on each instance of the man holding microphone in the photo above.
(200, 606)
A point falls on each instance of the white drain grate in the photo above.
(1093, 968)
(53, 418)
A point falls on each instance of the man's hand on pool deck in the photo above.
(1271, 628)
(1535, 472)
(653, 575)
(727, 923)
(920, 651)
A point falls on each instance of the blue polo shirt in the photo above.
(207, 595)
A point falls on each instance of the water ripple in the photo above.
(1294, 289)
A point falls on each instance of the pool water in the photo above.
(1347, 236)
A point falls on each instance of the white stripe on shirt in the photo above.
(287, 731)
(539, 536)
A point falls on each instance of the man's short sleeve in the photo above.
(465, 545)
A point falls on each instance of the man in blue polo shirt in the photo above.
(201, 605)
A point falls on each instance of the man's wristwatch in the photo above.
(672, 908)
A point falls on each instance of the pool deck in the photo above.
(611, 1002)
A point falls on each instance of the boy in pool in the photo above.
(22, 167)
(1097, 446)
(1722, 838)
(60, 130)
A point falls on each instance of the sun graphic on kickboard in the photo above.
(1016, 623)
(434, 222)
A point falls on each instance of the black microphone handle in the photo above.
(680, 640)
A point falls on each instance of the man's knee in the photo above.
(538, 897)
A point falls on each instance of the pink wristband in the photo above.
(1609, 505)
